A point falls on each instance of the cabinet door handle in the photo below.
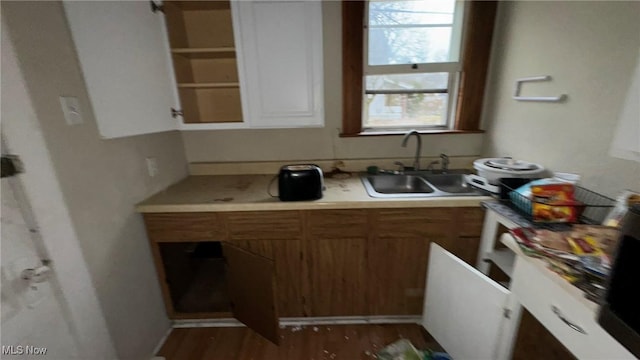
(566, 321)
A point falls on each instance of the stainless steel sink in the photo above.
(396, 184)
(450, 183)
(417, 185)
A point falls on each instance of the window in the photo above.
(405, 64)
(411, 53)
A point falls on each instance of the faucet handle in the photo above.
(445, 161)
(401, 166)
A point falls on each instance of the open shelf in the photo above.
(202, 5)
(504, 259)
(209, 85)
(211, 105)
(200, 24)
(205, 53)
(204, 60)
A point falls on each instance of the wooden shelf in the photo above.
(204, 60)
(205, 53)
(202, 5)
(209, 85)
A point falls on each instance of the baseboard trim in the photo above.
(159, 346)
(303, 321)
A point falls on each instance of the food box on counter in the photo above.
(547, 200)
(555, 203)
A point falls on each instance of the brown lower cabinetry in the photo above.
(286, 255)
(336, 250)
(353, 262)
(398, 252)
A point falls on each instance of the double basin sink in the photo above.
(418, 184)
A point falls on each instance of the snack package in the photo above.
(552, 240)
(586, 245)
(554, 203)
(522, 196)
(606, 237)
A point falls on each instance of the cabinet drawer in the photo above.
(540, 294)
(470, 221)
(177, 227)
(332, 224)
(412, 223)
(271, 225)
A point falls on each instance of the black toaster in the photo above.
(300, 182)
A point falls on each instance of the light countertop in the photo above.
(249, 193)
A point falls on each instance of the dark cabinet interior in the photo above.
(196, 275)
(534, 341)
(205, 278)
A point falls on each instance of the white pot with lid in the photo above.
(492, 169)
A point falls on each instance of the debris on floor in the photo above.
(403, 349)
(297, 328)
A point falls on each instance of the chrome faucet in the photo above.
(445, 162)
(416, 161)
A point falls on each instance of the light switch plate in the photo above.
(71, 110)
(152, 166)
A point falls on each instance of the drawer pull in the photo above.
(566, 321)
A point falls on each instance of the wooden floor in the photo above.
(329, 342)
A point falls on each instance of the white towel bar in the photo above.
(518, 86)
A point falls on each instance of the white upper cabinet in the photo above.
(224, 65)
(280, 47)
(122, 50)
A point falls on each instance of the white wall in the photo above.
(320, 143)
(101, 180)
(70, 290)
(590, 49)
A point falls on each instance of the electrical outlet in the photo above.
(152, 166)
(71, 110)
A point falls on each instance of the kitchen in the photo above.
(590, 49)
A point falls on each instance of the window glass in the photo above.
(430, 81)
(407, 32)
(406, 100)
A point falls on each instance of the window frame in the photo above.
(474, 60)
(452, 68)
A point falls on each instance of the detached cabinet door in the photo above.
(123, 53)
(464, 309)
(279, 46)
(252, 282)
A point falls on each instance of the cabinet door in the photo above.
(252, 283)
(398, 253)
(336, 262)
(279, 46)
(463, 309)
(276, 235)
(396, 275)
(123, 53)
(286, 255)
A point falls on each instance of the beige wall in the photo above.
(321, 143)
(101, 180)
(590, 49)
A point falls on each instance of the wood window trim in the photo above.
(475, 65)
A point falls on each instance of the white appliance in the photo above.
(491, 170)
